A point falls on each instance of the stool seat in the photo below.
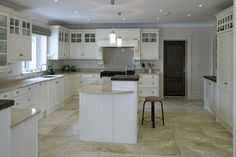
(152, 99)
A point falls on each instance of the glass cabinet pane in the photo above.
(3, 59)
(17, 23)
(3, 47)
(12, 22)
(3, 21)
(3, 34)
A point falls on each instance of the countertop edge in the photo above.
(114, 92)
(212, 78)
(6, 104)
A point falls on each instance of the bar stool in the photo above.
(152, 100)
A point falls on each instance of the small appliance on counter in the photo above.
(66, 68)
(73, 69)
(50, 70)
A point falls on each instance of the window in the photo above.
(39, 54)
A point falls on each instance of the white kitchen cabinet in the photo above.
(55, 94)
(59, 43)
(225, 67)
(148, 85)
(69, 86)
(83, 44)
(23, 96)
(20, 38)
(5, 95)
(150, 44)
(4, 40)
(40, 97)
(210, 96)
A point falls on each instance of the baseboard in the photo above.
(225, 125)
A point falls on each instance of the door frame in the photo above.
(188, 63)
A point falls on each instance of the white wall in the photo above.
(201, 57)
(234, 86)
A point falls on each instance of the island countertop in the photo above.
(125, 78)
(102, 86)
(19, 115)
(6, 103)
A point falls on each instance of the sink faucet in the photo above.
(41, 69)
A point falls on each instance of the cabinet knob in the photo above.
(57, 82)
(21, 55)
(17, 104)
(17, 92)
(29, 99)
(225, 83)
(209, 84)
(5, 96)
(152, 83)
(29, 88)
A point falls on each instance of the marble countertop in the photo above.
(102, 86)
(19, 115)
(6, 103)
(125, 78)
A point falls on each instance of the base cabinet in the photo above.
(210, 96)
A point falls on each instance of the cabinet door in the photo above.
(61, 45)
(60, 90)
(90, 45)
(223, 52)
(40, 96)
(67, 45)
(76, 46)
(150, 45)
(230, 60)
(52, 96)
(223, 104)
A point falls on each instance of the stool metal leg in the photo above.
(162, 113)
(143, 111)
(153, 114)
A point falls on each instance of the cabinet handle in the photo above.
(21, 55)
(29, 88)
(152, 83)
(17, 92)
(152, 92)
(225, 83)
(29, 99)
(17, 104)
(57, 82)
(5, 96)
(40, 83)
(209, 84)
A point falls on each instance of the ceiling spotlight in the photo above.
(200, 5)
(123, 18)
(88, 19)
(189, 15)
(158, 18)
(167, 13)
(161, 10)
(75, 11)
(55, 0)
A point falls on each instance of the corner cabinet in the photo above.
(3, 40)
(225, 68)
(59, 43)
(20, 38)
(150, 44)
(83, 44)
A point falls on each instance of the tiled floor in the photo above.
(188, 132)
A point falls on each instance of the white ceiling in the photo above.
(135, 11)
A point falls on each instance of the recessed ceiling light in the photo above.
(189, 15)
(158, 18)
(55, 0)
(200, 5)
(123, 18)
(161, 10)
(88, 19)
(167, 13)
(75, 11)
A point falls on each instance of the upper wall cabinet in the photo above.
(3, 40)
(150, 44)
(83, 44)
(59, 43)
(225, 20)
(20, 38)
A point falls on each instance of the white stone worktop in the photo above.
(102, 86)
(19, 115)
(11, 84)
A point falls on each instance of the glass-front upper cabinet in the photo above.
(14, 26)
(3, 39)
(26, 28)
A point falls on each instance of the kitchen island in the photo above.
(108, 110)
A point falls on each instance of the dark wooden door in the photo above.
(174, 68)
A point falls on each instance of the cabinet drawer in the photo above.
(24, 101)
(150, 84)
(21, 91)
(144, 93)
(84, 82)
(149, 76)
(88, 76)
(5, 95)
